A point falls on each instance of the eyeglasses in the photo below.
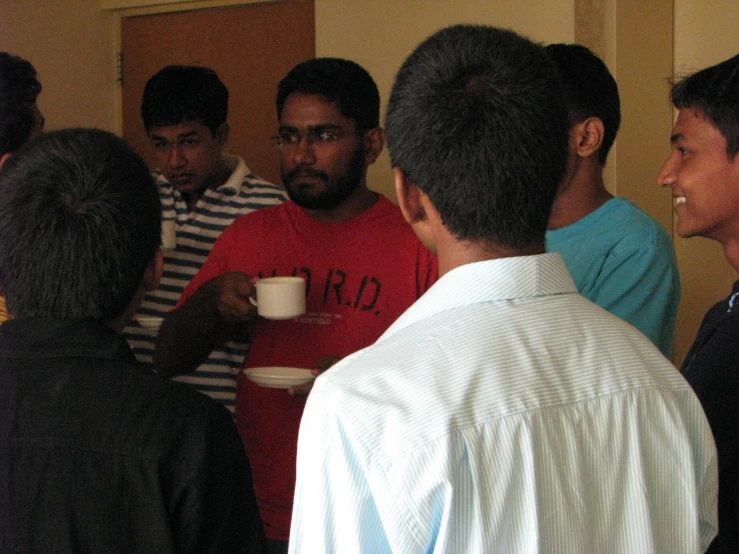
(314, 137)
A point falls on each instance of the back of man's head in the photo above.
(19, 88)
(715, 92)
(477, 121)
(180, 93)
(80, 220)
(590, 88)
(336, 80)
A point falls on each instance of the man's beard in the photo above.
(336, 190)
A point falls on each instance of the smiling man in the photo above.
(184, 110)
(703, 173)
(362, 264)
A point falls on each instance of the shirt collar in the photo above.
(232, 186)
(59, 338)
(490, 281)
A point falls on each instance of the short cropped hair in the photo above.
(180, 93)
(590, 88)
(715, 92)
(19, 88)
(80, 220)
(477, 121)
(341, 81)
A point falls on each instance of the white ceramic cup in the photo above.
(280, 297)
(169, 234)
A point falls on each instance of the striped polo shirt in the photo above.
(196, 232)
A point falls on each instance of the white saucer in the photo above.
(150, 321)
(279, 377)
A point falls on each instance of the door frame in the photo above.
(130, 8)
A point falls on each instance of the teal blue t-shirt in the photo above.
(624, 261)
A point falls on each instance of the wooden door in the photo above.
(251, 47)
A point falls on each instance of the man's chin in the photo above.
(314, 201)
(185, 186)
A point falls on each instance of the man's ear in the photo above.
(418, 210)
(4, 158)
(222, 133)
(373, 142)
(153, 272)
(588, 136)
(409, 198)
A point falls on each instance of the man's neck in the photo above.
(218, 178)
(731, 251)
(361, 200)
(452, 253)
(581, 196)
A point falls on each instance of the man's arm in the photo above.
(642, 287)
(712, 373)
(217, 312)
(213, 507)
(334, 509)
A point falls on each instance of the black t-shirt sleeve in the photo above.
(713, 372)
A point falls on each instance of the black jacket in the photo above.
(99, 455)
(712, 369)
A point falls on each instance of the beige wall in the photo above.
(620, 31)
(705, 34)
(379, 34)
(72, 43)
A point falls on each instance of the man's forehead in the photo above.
(181, 130)
(312, 111)
(690, 121)
(695, 129)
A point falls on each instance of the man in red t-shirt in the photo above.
(362, 264)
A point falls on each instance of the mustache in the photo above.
(306, 172)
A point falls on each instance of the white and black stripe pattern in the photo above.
(197, 231)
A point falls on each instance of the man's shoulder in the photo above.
(265, 217)
(175, 400)
(617, 225)
(715, 343)
(252, 185)
(385, 218)
(626, 220)
(453, 355)
(130, 406)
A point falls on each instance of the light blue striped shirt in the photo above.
(196, 232)
(504, 412)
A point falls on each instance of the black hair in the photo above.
(715, 92)
(19, 88)
(590, 89)
(179, 93)
(80, 220)
(341, 81)
(477, 121)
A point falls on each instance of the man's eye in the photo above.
(189, 142)
(682, 150)
(161, 145)
(289, 138)
(326, 136)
